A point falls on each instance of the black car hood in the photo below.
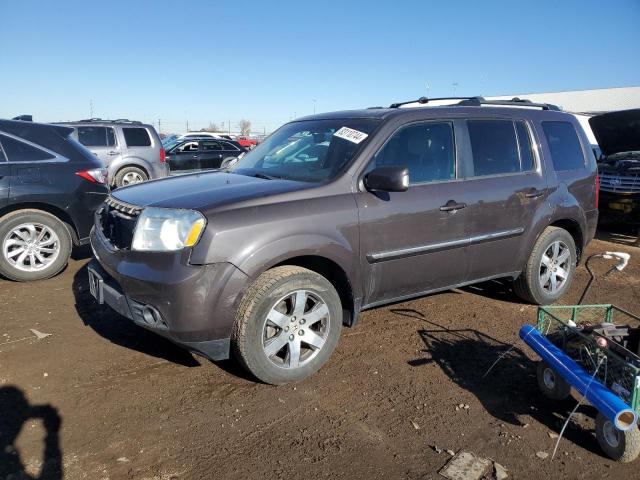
(617, 132)
(203, 190)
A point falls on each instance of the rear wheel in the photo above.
(618, 445)
(129, 176)
(551, 384)
(550, 268)
(287, 325)
(34, 245)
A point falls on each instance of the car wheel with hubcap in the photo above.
(33, 245)
(287, 325)
(550, 268)
(130, 176)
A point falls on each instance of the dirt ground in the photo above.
(103, 399)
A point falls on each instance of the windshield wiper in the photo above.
(264, 176)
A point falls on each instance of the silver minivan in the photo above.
(132, 151)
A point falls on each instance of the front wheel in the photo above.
(287, 325)
(549, 269)
(618, 445)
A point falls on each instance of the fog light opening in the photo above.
(152, 316)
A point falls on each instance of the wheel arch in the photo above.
(574, 229)
(57, 212)
(335, 275)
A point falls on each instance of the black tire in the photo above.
(617, 445)
(249, 334)
(120, 179)
(63, 245)
(527, 286)
(551, 384)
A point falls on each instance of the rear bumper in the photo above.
(195, 305)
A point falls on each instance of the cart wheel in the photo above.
(618, 445)
(551, 384)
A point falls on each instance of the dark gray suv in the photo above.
(340, 212)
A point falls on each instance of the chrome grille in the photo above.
(619, 183)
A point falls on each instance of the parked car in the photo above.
(192, 154)
(247, 142)
(618, 136)
(340, 212)
(132, 151)
(50, 187)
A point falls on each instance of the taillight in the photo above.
(597, 189)
(97, 175)
(163, 155)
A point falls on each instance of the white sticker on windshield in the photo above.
(350, 134)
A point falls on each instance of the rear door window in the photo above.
(565, 148)
(96, 136)
(209, 146)
(136, 137)
(494, 147)
(17, 151)
(426, 149)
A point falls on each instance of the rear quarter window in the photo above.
(564, 145)
(17, 151)
(136, 137)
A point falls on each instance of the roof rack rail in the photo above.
(101, 120)
(478, 101)
(514, 102)
(423, 100)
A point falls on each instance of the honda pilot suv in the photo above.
(131, 150)
(341, 212)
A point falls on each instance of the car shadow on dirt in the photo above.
(15, 412)
(499, 289)
(509, 391)
(122, 331)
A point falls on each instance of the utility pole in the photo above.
(159, 126)
(229, 121)
(455, 85)
(314, 106)
(187, 122)
(91, 108)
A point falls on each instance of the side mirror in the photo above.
(387, 179)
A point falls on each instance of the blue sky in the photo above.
(267, 61)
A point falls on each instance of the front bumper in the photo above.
(193, 306)
(620, 207)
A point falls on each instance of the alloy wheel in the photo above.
(31, 247)
(555, 267)
(130, 178)
(296, 329)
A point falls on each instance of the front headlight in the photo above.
(167, 230)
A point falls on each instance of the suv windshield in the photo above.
(308, 151)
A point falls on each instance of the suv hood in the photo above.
(617, 132)
(203, 190)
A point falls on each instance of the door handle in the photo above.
(534, 194)
(196, 156)
(112, 152)
(451, 206)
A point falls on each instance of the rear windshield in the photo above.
(308, 151)
(136, 137)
